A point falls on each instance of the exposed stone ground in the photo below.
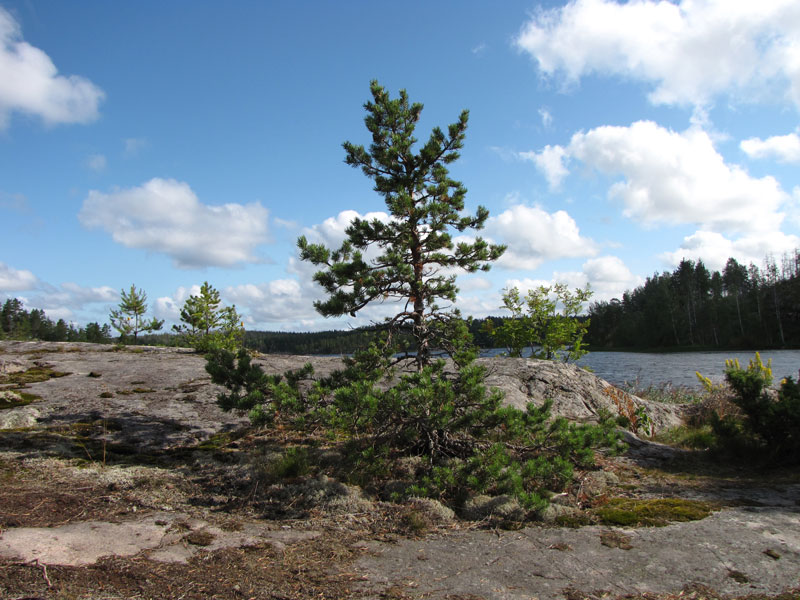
(115, 483)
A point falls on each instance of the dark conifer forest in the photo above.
(692, 307)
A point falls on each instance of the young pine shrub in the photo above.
(769, 425)
(467, 442)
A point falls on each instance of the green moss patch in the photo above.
(16, 399)
(32, 375)
(654, 512)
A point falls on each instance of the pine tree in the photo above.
(416, 248)
(469, 441)
(129, 317)
(206, 325)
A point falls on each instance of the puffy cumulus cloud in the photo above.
(533, 236)
(67, 299)
(14, 280)
(471, 283)
(607, 276)
(550, 161)
(288, 304)
(331, 231)
(678, 178)
(30, 83)
(77, 296)
(784, 148)
(279, 304)
(689, 51)
(714, 249)
(481, 306)
(164, 215)
(169, 307)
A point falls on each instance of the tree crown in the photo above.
(415, 250)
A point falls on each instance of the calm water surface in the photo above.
(678, 368)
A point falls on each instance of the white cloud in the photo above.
(77, 295)
(470, 283)
(480, 49)
(278, 301)
(331, 231)
(714, 249)
(134, 145)
(164, 215)
(96, 162)
(784, 148)
(30, 83)
(169, 307)
(608, 277)
(534, 236)
(547, 117)
(64, 300)
(794, 209)
(285, 224)
(689, 51)
(14, 280)
(549, 161)
(678, 178)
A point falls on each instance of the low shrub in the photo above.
(468, 442)
(751, 420)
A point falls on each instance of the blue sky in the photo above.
(170, 143)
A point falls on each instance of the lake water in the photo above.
(677, 368)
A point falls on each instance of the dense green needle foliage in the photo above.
(390, 402)
(206, 325)
(129, 317)
(413, 252)
(468, 441)
(769, 424)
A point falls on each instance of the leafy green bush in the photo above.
(536, 323)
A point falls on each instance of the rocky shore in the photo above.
(122, 478)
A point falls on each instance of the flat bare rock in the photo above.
(732, 552)
(163, 397)
(163, 537)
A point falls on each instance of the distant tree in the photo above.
(11, 315)
(206, 325)
(734, 279)
(772, 278)
(129, 317)
(96, 334)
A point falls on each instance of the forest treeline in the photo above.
(20, 324)
(691, 307)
